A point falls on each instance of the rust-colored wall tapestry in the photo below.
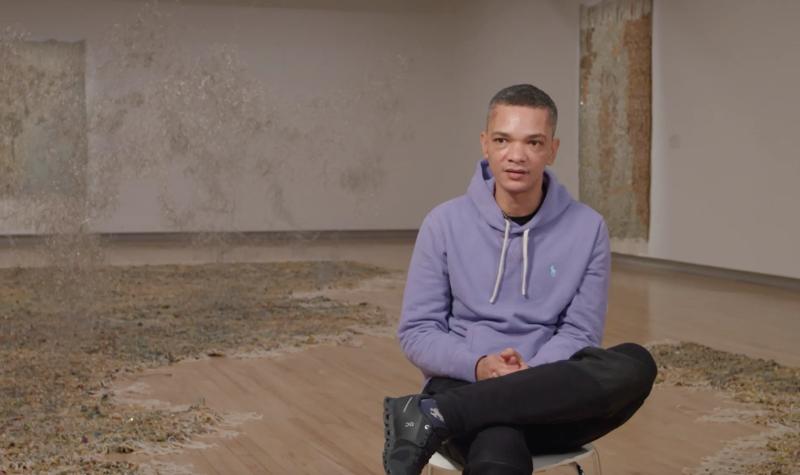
(615, 114)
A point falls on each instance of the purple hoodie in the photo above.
(479, 283)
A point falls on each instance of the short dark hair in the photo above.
(526, 95)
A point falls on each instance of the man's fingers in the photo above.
(512, 357)
(493, 366)
(505, 371)
(500, 364)
(520, 361)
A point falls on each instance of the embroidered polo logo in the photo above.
(553, 270)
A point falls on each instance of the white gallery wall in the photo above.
(371, 111)
(726, 134)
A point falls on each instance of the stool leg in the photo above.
(597, 468)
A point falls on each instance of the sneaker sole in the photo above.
(388, 430)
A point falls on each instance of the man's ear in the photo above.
(555, 145)
(485, 144)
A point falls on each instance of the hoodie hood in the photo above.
(481, 193)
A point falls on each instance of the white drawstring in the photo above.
(502, 262)
(525, 263)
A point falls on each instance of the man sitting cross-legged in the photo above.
(504, 310)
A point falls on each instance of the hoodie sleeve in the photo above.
(584, 318)
(424, 332)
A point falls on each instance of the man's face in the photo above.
(518, 143)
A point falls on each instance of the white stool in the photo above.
(540, 462)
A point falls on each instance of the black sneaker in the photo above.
(411, 439)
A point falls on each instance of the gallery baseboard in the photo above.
(392, 235)
(666, 265)
(243, 237)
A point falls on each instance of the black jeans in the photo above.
(498, 423)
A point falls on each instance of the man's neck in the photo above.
(521, 204)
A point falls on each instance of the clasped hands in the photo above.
(499, 364)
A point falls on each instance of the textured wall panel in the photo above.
(42, 119)
(615, 114)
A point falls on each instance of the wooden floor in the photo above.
(318, 411)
